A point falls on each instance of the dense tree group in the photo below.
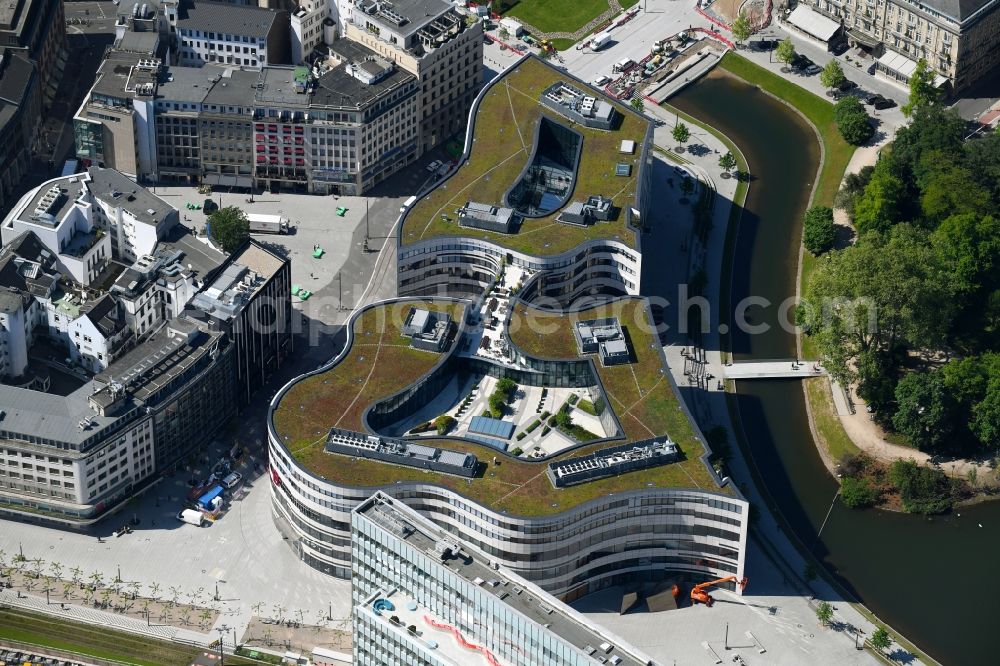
(911, 312)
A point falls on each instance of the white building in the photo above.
(307, 29)
(239, 35)
(16, 329)
(135, 218)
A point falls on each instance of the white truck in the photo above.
(598, 41)
(192, 517)
(267, 224)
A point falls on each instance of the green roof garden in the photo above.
(640, 394)
(380, 363)
(503, 139)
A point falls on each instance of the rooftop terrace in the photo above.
(504, 137)
(380, 363)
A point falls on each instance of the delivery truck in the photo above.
(267, 224)
(600, 40)
(192, 517)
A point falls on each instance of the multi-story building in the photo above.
(424, 598)
(339, 128)
(309, 26)
(37, 28)
(20, 118)
(233, 35)
(69, 459)
(134, 218)
(959, 40)
(432, 41)
(115, 125)
(225, 128)
(250, 299)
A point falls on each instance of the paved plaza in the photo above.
(242, 553)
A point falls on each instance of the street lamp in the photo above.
(222, 629)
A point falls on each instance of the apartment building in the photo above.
(234, 35)
(423, 597)
(134, 218)
(959, 40)
(225, 130)
(432, 41)
(310, 27)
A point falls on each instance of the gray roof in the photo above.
(15, 77)
(114, 75)
(221, 17)
(202, 259)
(959, 10)
(189, 84)
(71, 187)
(11, 300)
(417, 13)
(145, 43)
(125, 7)
(335, 88)
(106, 314)
(136, 199)
(53, 417)
(235, 88)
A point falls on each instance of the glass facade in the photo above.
(548, 179)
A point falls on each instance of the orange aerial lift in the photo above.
(699, 595)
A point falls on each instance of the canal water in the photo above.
(933, 579)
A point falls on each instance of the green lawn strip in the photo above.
(558, 15)
(62, 634)
(587, 406)
(561, 44)
(828, 426)
(503, 140)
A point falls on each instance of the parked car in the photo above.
(882, 103)
(232, 480)
(812, 69)
(602, 81)
(764, 45)
(433, 166)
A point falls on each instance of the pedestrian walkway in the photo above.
(94, 616)
(771, 370)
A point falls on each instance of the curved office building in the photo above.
(635, 526)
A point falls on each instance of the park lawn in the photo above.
(558, 15)
(561, 44)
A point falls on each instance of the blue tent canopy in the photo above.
(206, 499)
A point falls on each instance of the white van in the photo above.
(192, 517)
(232, 481)
(623, 64)
(601, 81)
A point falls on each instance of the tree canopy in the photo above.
(911, 312)
(727, 162)
(832, 75)
(681, 133)
(923, 92)
(786, 51)
(818, 231)
(741, 28)
(853, 122)
(229, 228)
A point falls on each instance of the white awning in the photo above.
(812, 23)
(904, 67)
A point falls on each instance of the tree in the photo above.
(818, 230)
(952, 190)
(681, 135)
(786, 51)
(229, 228)
(921, 489)
(881, 204)
(741, 28)
(882, 292)
(637, 105)
(824, 613)
(853, 122)
(507, 386)
(923, 92)
(857, 493)
(925, 411)
(880, 639)
(563, 419)
(444, 423)
(497, 401)
(727, 162)
(832, 75)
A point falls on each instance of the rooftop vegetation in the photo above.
(503, 141)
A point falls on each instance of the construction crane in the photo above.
(699, 595)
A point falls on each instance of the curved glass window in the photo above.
(547, 182)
